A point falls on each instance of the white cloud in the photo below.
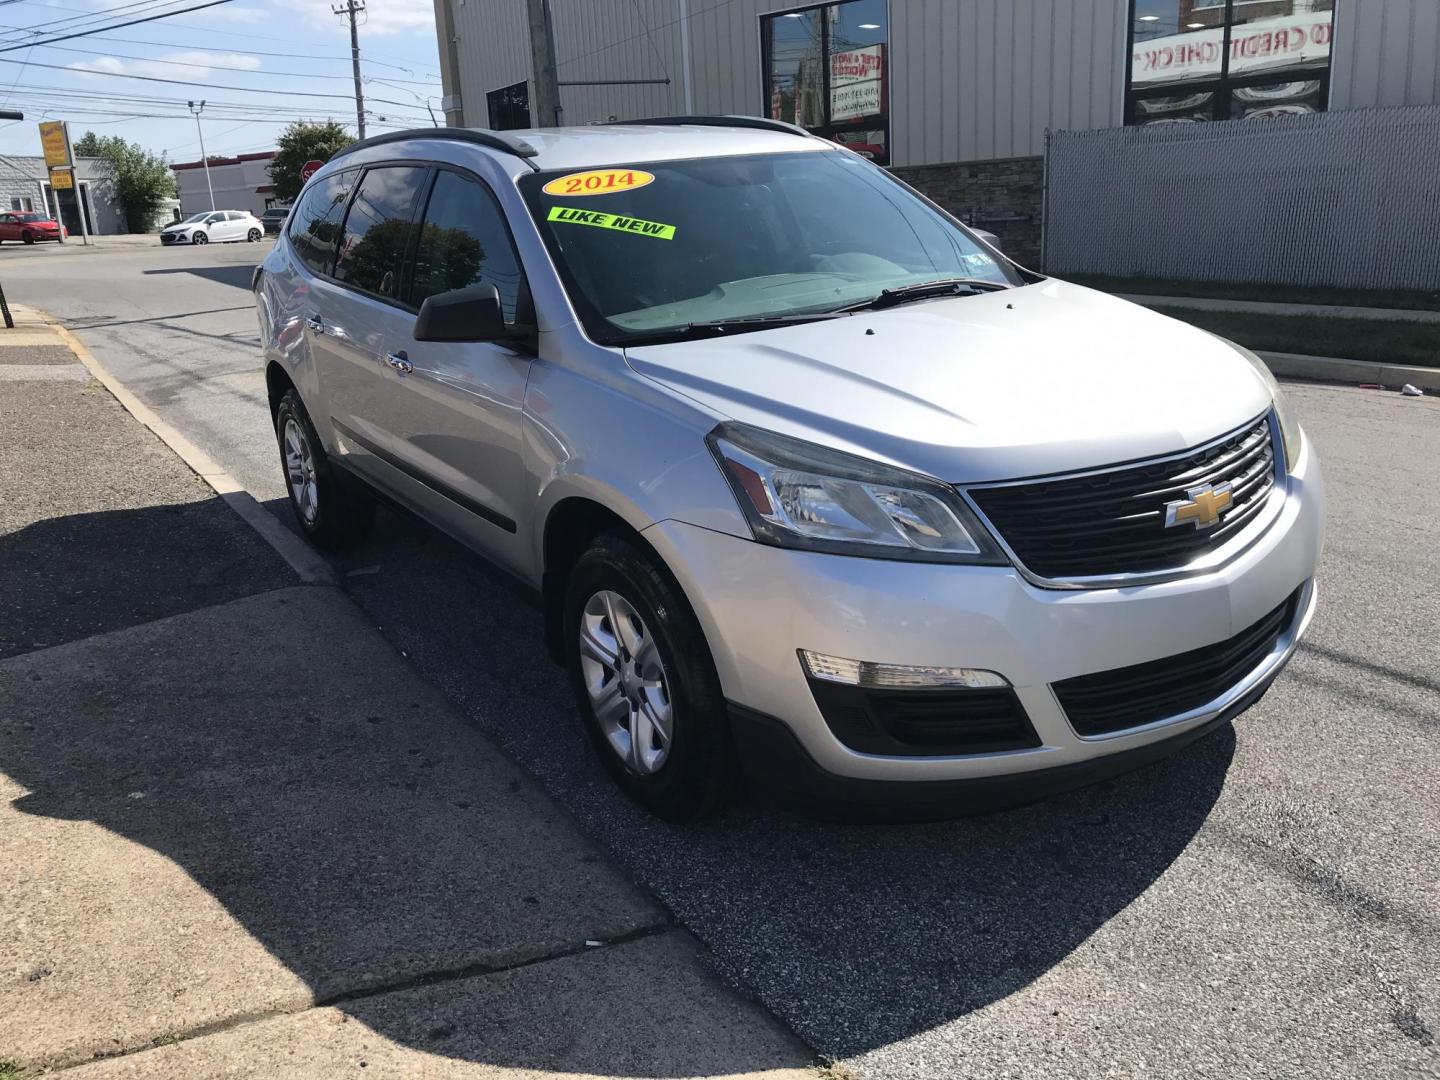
(381, 18)
(196, 65)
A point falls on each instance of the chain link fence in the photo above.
(1348, 199)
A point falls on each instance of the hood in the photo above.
(1046, 378)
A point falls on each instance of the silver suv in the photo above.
(816, 485)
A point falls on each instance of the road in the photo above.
(1266, 904)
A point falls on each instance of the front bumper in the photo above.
(759, 604)
(174, 238)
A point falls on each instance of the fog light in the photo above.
(895, 676)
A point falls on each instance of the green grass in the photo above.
(10, 1069)
(1374, 340)
(1408, 299)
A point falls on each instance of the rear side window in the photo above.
(315, 224)
(379, 228)
(464, 242)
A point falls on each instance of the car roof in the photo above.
(615, 144)
(594, 146)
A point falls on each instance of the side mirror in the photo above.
(472, 314)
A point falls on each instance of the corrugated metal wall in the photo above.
(955, 96)
(971, 80)
(1385, 53)
(1341, 198)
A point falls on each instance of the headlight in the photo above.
(1290, 433)
(799, 495)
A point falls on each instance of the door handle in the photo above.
(399, 362)
(314, 322)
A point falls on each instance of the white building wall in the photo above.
(235, 187)
(1385, 53)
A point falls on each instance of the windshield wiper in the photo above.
(721, 327)
(925, 290)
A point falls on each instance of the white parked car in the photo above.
(220, 226)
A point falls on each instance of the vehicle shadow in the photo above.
(237, 275)
(349, 844)
(858, 936)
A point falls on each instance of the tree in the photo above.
(303, 141)
(142, 181)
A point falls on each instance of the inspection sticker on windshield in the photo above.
(617, 222)
(598, 182)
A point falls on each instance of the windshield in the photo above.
(648, 248)
(193, 218)
(31, 217)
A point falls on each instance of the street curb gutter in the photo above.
(311, 568)
(1331, 369)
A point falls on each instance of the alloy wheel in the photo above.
(300, 471)
(627, 682)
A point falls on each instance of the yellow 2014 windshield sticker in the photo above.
(598, 182)
(618, 222)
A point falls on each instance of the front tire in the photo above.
(200, 238)
(331, 512)
(645, 682)
(28, 237)
(253, 236)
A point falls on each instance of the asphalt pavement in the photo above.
(1265, 904)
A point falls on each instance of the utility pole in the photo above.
(197, 107)
(351, 8)
(545, 111)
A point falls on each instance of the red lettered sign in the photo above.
(309, 169)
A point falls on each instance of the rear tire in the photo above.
(200, 238)
(643, 666)
(331, 510)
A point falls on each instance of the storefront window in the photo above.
(826, 69)
(1198, 60)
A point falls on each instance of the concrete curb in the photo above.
(1333, 369)
(1266, 307)
(311, 568)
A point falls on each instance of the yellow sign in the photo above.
(56, 143)
(613, 221)
(598, 182)
(62, 179)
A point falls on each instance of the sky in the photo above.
(259, 64)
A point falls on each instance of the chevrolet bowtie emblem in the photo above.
(1202, 509)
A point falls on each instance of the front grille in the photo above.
(1131, 696)
(924, 722)
(1113, 522)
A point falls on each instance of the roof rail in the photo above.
(495, 140)
(760, 122)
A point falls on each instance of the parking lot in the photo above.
(1265, 904)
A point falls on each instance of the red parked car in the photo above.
(27, 226)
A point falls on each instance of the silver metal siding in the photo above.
(617, 39)
(1384, 53)
(493, 50)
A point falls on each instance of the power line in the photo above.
(224, 67)
(248, 52)
(97, 15)
(202, 85)
(189, 64)
(117, 26)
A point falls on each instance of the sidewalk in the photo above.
(75, 245)
(239, 837)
